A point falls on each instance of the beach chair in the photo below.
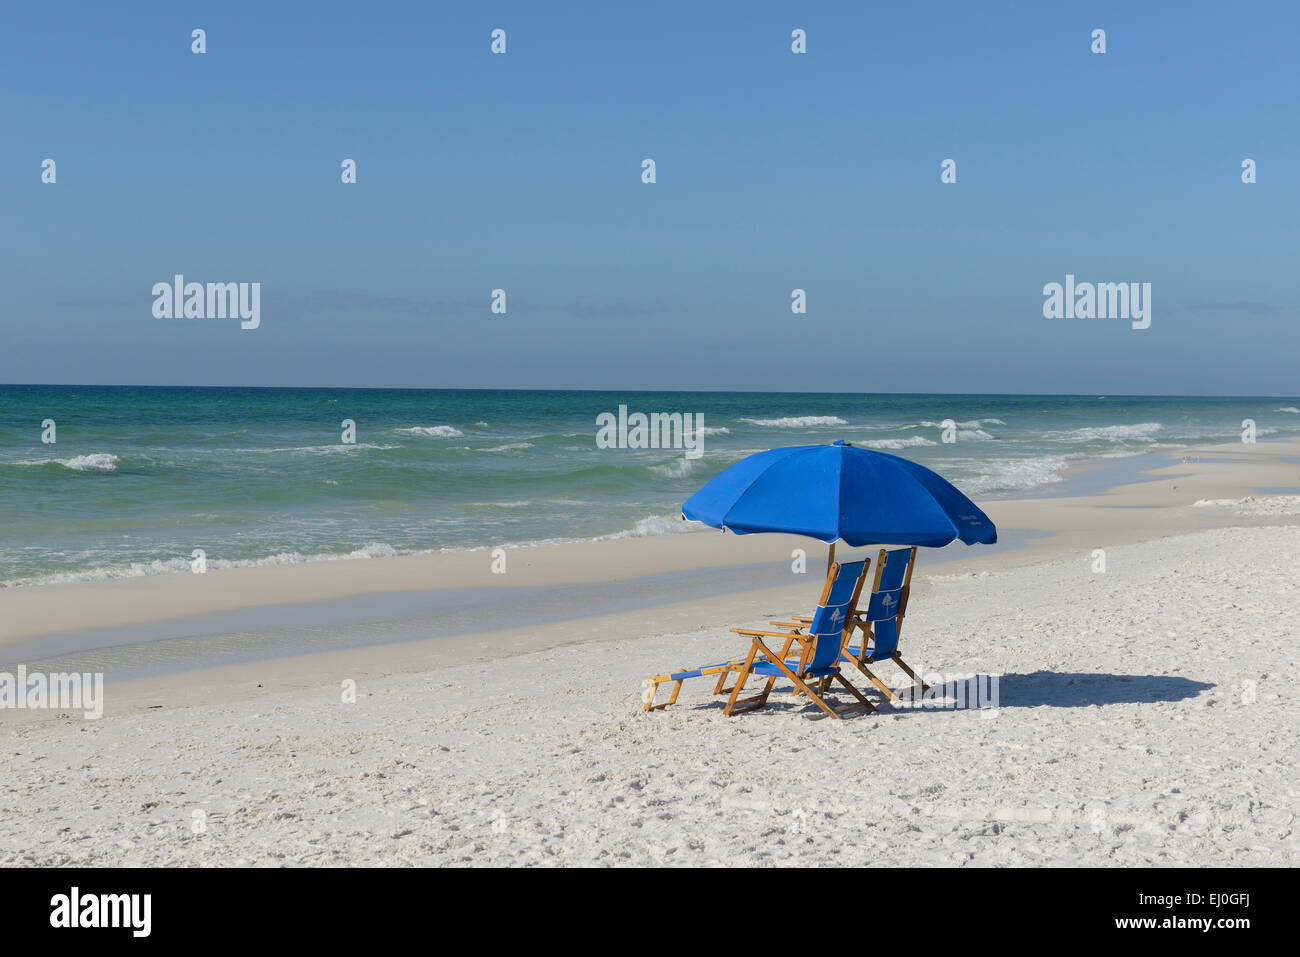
(812, 669)
(883, 619)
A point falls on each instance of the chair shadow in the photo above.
(1071, 689)
(1068, 689)
(1038, 689)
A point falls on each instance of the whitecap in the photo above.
(797, 422)
(509, 447)
(1143, 432)
(95, 462)
(1015, 475)
(655, 525)
(676, 468)
(433, 431)
(914, 442)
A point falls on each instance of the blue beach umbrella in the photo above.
(838, 492)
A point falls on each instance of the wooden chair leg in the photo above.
(830, 712)
(804, 687)
(722, 680)
(887, 691)
(754, 702)
(745, 671)
(823, 684)
(672, 698)
(650, 697)
(911, 674)
(733, 669)
(863, 704)
(759, 700)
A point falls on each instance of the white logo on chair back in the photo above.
(888, 601)
(837, 616)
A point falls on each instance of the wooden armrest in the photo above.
(767, 634)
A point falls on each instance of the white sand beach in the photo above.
(1146, 714)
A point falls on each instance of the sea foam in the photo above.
(913, 442)
(797, 422)
(95, 462)
(1143, 431)
(433, 431)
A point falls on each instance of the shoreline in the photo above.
(1078, 478)
(169, 637)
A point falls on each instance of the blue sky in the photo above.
(775, 171)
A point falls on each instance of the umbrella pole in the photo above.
(830, 559)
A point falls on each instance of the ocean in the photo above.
(139, 478)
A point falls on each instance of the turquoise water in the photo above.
(140, 477)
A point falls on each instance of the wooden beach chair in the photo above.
(812, 666)
(882, 622)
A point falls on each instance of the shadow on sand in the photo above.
(1051, 689)
(1068, 689)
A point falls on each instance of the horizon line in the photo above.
(364, 388)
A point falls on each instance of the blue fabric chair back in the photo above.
(832, 616)
(887, 600)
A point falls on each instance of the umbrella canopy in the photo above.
(832, 492)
